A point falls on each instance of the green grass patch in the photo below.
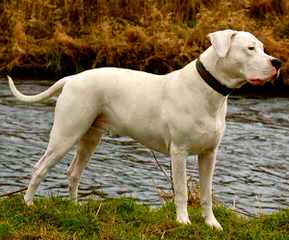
(57, 218)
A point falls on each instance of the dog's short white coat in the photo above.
(176, 113)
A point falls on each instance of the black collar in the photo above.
(211, 80)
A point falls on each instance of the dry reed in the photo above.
(60, 37)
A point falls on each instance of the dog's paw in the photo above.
(212, 222)
(183, 220)
(28, 201)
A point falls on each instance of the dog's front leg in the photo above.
(206, 170)
(178, 157)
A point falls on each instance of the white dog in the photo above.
(179, 113)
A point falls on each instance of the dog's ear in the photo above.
(221, 41)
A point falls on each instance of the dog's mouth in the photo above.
(257, 81)
(262, 81)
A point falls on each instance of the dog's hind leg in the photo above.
(86, 147)
(49, 159)
(70, 124)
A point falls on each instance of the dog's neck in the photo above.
(215, 67)
(211, 80)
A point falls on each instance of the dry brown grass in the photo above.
(193, 195)
(60, 37)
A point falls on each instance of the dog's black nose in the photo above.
(276, 63)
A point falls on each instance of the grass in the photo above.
(57, 218)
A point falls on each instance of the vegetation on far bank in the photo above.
(53, 38)
(56, 218)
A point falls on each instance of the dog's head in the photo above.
(241, 56)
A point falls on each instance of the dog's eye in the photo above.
(251, 48)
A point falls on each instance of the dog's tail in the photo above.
(53, 90)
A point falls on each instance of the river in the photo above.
(252, 171)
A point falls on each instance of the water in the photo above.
(252, 169)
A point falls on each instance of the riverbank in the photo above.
(56, 218)
(56, 38)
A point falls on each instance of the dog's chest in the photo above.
(198, 134)
(205, 135)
